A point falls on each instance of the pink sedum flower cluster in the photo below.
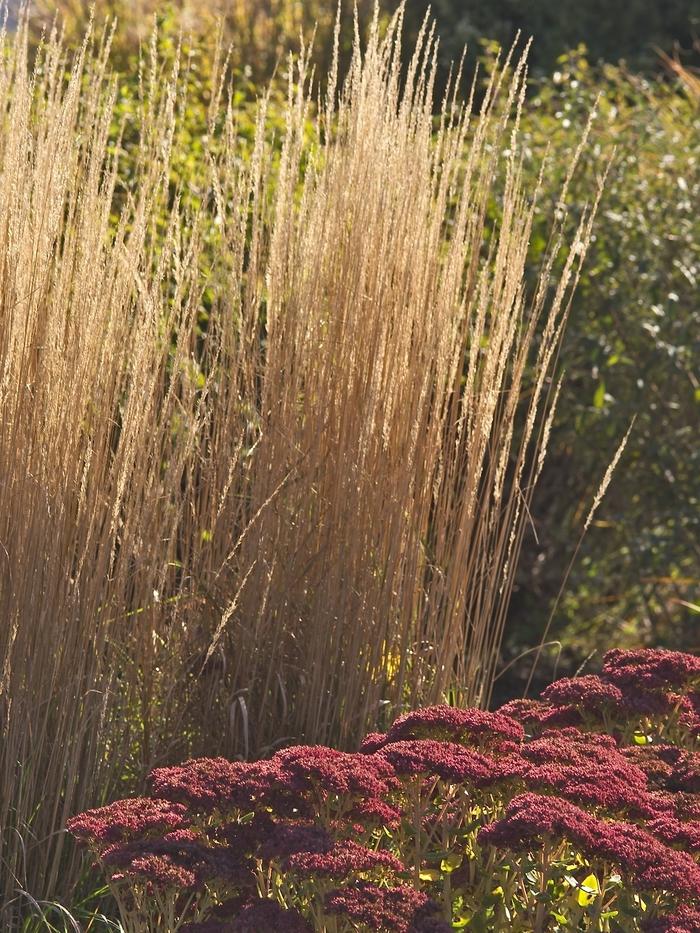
(411, 911)
(632, 849)
(651, 669)
(129, 819)
(450, 816)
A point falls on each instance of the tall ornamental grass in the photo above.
(265, 460)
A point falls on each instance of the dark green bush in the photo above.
(631, 351)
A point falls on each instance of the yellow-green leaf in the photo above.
(589, 890)
(599, 396)
(430, 874)
(450, 863)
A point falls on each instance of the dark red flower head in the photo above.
(668, 766)
(133, 818)
(177, 863)
(684, 919)
(266, 916)
(202, 783)
(571, 746)
(284, 839)
(316, 768)
(259, 915)
(587, 768)
(448, 723)
(447, 760)
(651, 668)
(372, 742)
(652, 865)
(675, 832)
(539, 715)
(161, 871)
(400, 909)
(589, 693)
(342, 860)
(375, 812)
(689, 709)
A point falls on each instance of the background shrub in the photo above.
(629, 353)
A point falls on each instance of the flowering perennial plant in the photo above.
(578, 811)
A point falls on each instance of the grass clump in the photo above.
(260, 465)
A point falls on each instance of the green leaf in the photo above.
(599, 396)
(450, 863)
(589, 891)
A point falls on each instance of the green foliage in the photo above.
(631, 351)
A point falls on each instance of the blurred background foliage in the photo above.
(633, 341)
(263, 31)
(631, 351)
(631, 30)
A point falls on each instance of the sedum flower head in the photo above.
(343, 859)
(589, 693)
(180, 864)
(448, 723)
(530, 818)
(650, 668)
(536, 714)
(684, 919)
(447, 760)
(257, 915)
(319, 769)
(399, 909)
(202, 783)
(676, 832)
(128, 819)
